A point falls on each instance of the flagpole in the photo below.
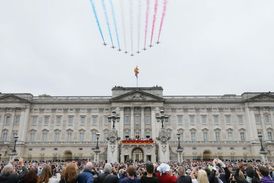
(137, 81)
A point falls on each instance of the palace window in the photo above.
(217, 135)
(204, 119)
(69, 135)
(93, 135)
(258, 119)
(5, 135)
(205, 135)
(32, 135)
(193, 135)
(192, 120)
(46, 120)
(242, 135)
(216, 119)
(228, 119)
(147, 115)
(57, 135)
(34, 120)
(70, 120)
(82, 120)
(45, 135)
(240, 119)
(180, 120)
(81, 135)
(16, 120)
(7, 120)
(230, 134)
(266, 118)
(94, 120)
(269, 135)
(58, 120)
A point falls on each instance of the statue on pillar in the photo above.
(112, 149)
(163, 145)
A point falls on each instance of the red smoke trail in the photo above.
(154, 20)
(162, 20)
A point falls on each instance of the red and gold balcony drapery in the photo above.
(137, 141)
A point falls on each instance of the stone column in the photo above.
(142, 135)
(251, 123)
(153, 123)
(132, 123)
(120, 125)
(24, 121)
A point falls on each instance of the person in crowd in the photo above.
(30, 177)
(86, 176)
(8, 174)
(264, 173)
(101, 177)
(164, 174)
(131, 175)
(69, 174)
(149, 177)
(202, 176)
(183, 178)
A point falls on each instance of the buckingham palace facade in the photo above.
(138, 124)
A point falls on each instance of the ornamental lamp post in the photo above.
(262, 150)
(113, 118)
(96, 149)
(162, 118)
(14, 147)
(179, 148)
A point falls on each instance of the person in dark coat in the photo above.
(86, 176)
(149, 177)
(107, 176)
(8, 174)
(182, 177)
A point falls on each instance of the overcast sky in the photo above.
(208, 47)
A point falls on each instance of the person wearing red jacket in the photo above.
(164, 175)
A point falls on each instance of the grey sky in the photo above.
(208, 47)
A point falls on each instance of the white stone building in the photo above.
(65, 127)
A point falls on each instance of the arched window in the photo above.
(69, 135)
(5, 135)
(217, 135)
(193, 135)
(7, 120)
(229, 134)
(269, 134)
(32, 135)
(45, 135)
(57, 135)
(93, 135)
(81, 135)
(242, 134)
(205, 135)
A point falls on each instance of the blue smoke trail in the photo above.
(115, 24)
(97, 20)
(107, 20)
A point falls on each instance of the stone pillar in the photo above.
(142, 135)
(132, 122)
(112, 151)
(120, 125)
(251, 123)
(164, 152)
(153, 123)
(24, 121)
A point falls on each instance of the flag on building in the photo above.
(136, 71)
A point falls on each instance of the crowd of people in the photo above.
(84, 171)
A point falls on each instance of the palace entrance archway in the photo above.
(68, 155)
(207, 155)
(137, 154)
